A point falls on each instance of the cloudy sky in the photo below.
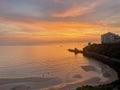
(40, 21)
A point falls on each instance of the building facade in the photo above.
(110, 38)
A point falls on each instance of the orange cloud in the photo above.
(78, 10)
(72, 12)
(55, 31)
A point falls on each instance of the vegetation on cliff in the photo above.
(110, 50)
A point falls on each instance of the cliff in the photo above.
(110, 50)
(108, 54)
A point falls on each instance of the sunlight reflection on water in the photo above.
(47, 61)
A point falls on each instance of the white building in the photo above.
(110, 38)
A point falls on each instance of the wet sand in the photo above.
(49, 83)
(88, 68)
(30, 79)
(107, 72)
(73, 86)
(36, 83)
(31, 83)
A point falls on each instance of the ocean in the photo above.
(50, 61)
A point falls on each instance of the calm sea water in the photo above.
(46, 61)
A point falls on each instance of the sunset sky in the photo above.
(43, 21)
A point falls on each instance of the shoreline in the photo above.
(103, 59)
(9, 84)
(110, 61)
(36, 83)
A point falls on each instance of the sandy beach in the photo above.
(111, 75)
(41, 84)
(31, 83)
(36, 83)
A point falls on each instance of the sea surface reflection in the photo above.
(50, 61)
